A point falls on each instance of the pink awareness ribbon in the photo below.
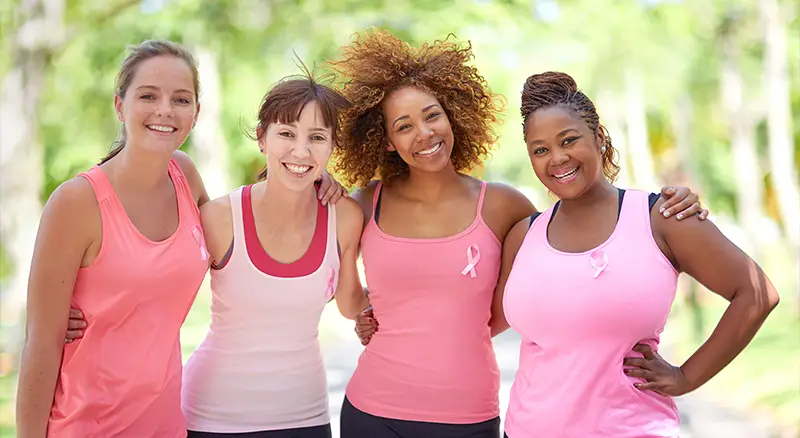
(472, 260)
(599, 261)
(330, 290)
(197, 232)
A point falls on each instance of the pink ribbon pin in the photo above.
(472, 260)
(197, 232)
(599, 261)
(331, 289)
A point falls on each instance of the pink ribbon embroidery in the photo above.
(197, 232)
(331, 289)
(599, 261)
(472, 261)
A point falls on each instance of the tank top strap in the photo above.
(375, 197)
(100, 184)
(480, 198)
(182, 188)
(238, 222)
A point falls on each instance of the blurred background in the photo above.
(703, 93)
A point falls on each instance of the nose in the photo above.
(425, 133)
(301, 150)
(164, 107)
(559, 157)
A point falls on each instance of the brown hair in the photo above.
(376, 64)
(284, 102)
(546, 90)
(138, 54)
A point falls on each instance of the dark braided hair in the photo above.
(546, 90)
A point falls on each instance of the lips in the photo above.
(566, 175)
(436, 147)
(298, 169)
(166, 129)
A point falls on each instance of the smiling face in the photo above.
(418, 129)
(565, 154)
(298, 152)
(159, 107)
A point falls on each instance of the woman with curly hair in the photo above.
(421, 119)
(586, 259)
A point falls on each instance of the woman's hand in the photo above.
(660, 375)
(75, 325)
(682, 203)
(330, 191)
(366, 326)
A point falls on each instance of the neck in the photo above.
(141, 169)
(599, 194)
(283, 205)
(431, 186)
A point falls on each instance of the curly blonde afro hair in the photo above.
(377, 63)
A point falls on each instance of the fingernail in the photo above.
(666, 214)
(661, 210)
(680, 216)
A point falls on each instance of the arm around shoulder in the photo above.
(350, 296)
(68, 227)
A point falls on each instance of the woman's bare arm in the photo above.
(350, 296)
(69, 225)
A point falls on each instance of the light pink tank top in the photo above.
(432, 359)
(260, 366)
(123, 378)
(580, 314)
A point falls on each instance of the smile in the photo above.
(162, 128)
(566, 177)
(298, 169)
(430, 151)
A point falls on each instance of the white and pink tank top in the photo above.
(579, 315)
(260, 366)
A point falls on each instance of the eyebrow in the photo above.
(559, 135)
(153, 87)
(314, 129)
(427, 108)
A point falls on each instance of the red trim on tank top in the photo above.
(305, 265)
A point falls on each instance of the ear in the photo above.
(389, 146)
(600, 138)
(262, 146)
(196, 115)
(118, 108)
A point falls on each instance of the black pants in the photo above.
(358, 424)
(323, 431)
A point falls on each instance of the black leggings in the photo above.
(323, 431)
(359, 424)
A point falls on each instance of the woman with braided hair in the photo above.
(420, 120)
(593, 280)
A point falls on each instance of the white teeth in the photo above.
(162, 128)
(297, 169)
(566, 175)
(433, 149)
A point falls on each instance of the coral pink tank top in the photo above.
(123, 378)
(432, 359)
(580, 314)
(260, 366)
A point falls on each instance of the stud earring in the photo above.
(603, 150)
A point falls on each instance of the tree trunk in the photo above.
(610, 118)
(209, 148)
(749, 176)
(641, 157)
(21, 154)
(779, 124)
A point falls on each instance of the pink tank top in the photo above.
(123, 378)
(580, 314)
(260, 366)
(432, 359)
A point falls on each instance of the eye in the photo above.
(286, 134)
(404, 127)
(539, 151)
(147, 97)
(317, 138)
(183, 101)
(569, 140)
(433, 115)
